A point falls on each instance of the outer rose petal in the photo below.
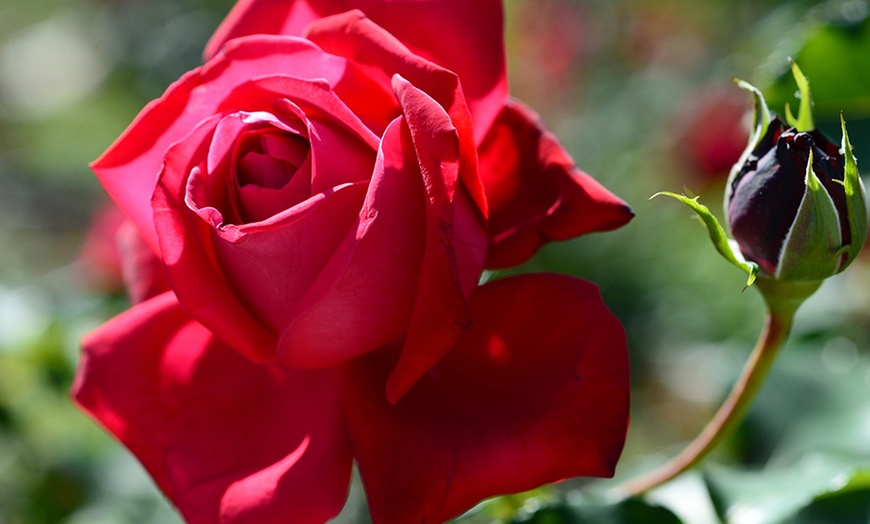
(225, 439)
(461, 35)
(535, 192)
(535, 392)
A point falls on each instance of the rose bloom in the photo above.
(324, 194)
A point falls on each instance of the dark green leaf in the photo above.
(629, 511)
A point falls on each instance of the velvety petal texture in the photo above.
(227, 440)
(536, 193)
(536, 391)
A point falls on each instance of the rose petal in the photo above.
(460, 35)
(260, 203)
(440, 313)
(225, 439)
(129, 168)
(231, 167)
(242, 281)
(315, 98)
(186, 243)
(338, 155)
(535, 192)
(535, 392)
(270, 17)
(272, 268)
(371, 280)
(354, 36)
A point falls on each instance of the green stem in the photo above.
(782, 302)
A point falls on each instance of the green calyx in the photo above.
(760, 122)
(784, 298)
(804, 120)
(856, 205)
(717, 235)
(760, 117)
(811, 250)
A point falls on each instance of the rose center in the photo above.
(269, 159)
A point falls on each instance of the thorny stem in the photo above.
(782, 303)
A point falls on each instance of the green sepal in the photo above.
(760, 116)
(717, 235)
(856, 205)
(804, 120)
(811, 247)
(760, 121)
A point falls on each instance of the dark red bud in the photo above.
(766, 193)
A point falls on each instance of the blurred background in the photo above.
(641, 94)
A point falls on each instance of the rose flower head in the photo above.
(795, 203)
(322, 197)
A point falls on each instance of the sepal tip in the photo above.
(717, 235)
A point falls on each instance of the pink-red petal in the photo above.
(187, 247)
(463, 36)
(354, 36)
(242, 282)
(536, 193)
(440, 315)
(370, 282)
(129, 168)
(535, 392)
(226, 440)
(270, 269)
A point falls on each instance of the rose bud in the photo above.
(795, 205)
(794, 201)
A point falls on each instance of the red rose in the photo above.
(324, 207)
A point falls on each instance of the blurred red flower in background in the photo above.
(711, 132)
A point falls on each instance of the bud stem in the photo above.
(782, 305)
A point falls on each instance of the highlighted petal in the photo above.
(225, 439)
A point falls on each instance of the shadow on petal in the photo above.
(535, 392)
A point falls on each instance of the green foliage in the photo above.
(835, 55)
(629, 511)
